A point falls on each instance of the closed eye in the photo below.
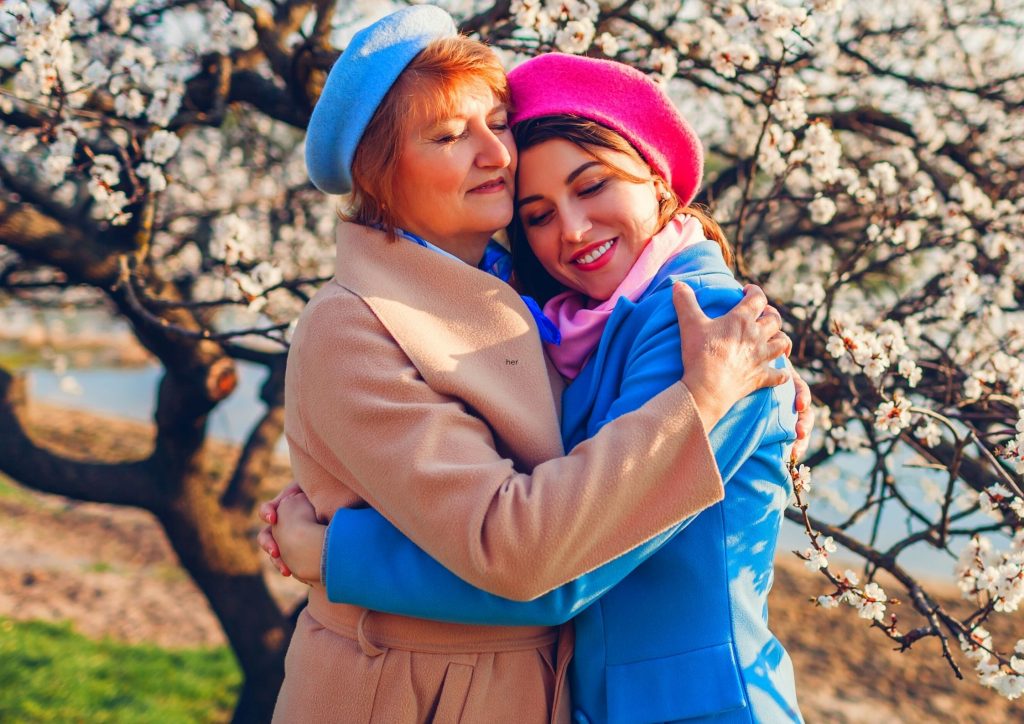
(538, 219)
(452, 138)
(594, 188)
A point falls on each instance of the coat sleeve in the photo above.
(431, 467)
(368, 562)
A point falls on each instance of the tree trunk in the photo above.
(216, 548)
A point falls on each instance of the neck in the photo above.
(466, 247)
(469, 249)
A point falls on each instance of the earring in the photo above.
(664, 195)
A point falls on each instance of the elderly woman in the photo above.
(417, 386)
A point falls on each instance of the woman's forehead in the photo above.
(436, 105)
(542, 154)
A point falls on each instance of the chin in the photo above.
(493, 223)
(598, 292)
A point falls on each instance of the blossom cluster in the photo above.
(869, 600)
(874, 352)
(1006, 679)
(733, 38)
(996, 576)
(1014, 451)
(69, 59)
(569, 25)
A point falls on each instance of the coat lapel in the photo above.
(468, 333)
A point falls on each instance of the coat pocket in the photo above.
(454, 692)
(694, 684)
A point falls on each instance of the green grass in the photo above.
(10, 491)
(49, 673)
(15, 358)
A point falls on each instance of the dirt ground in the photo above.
(111, 572)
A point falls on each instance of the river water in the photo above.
(131, 393)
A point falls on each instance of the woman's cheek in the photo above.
(548, 254)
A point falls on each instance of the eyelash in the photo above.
(445, 140)
(499, 128)
(589, 191)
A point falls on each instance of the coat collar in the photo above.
(469, 334)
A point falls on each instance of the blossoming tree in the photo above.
(864, 161)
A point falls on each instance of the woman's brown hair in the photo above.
(589, 135)
(429, 86)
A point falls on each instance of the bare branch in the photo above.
(25, 460)
(259, 449)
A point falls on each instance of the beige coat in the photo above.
(417, 384)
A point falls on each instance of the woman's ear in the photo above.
(661, 189)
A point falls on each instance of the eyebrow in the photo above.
(500, 108)
(568, 180)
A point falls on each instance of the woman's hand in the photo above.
(293, 527)
(268, 514)
(727, 358)
(299, 537)
(804, 415)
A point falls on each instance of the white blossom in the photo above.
(664, 61)
(575, 37)
(930, 434)
(106, 170)
(871, 604)
(822, 209)
(909, 369)
(883, 177)
(154, 175)
(815, 559)
(836, 346)
(131, 104)
(1011, 686)
(608, 44)
(161, 147)
(991, 497)
(801, 479)
(892, 416)
(823, 152)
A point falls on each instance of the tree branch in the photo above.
(41, 469)
(258, 453)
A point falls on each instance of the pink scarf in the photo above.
(581, 321)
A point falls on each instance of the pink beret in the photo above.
(619, 97)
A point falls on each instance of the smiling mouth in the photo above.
(491, 185)
(594, 254)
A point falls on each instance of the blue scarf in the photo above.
(498, 262)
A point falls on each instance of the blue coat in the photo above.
(676, 629)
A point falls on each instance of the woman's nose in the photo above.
(575, 225)
(493, 153)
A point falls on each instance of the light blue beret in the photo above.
(357, 84)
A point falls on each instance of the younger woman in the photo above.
(607, 168)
